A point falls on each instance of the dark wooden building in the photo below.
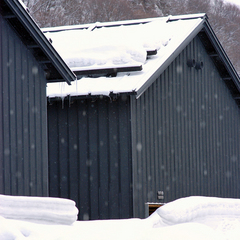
(27, 62)
(174, 135)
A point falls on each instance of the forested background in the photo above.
(224, 17)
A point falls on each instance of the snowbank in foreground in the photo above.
(187, 218)
(38, 209)
(199, 209)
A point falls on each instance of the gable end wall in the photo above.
(185, 134)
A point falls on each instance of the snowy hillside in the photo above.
(186, 218)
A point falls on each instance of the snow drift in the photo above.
(210, 211)
(38, 209)
(204, 218)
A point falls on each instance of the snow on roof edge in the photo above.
(187, 16)
(100, 24)
(123, 22)
(24, 6)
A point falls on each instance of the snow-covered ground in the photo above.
(186, 218)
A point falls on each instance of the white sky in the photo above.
(237, 2)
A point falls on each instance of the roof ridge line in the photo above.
(187, 17)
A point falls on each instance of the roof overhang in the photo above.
(221, 60)
(214, 49)
(31, 35)
(169, 59)
(109, 72)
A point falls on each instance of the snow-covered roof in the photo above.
(121, 47)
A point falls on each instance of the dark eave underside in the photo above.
(221, 61)
(112, 97)
(32, 37)
(109, 72)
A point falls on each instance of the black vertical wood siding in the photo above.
(23, 119)
(90, 156)
(185, 134)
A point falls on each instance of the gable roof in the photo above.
(149, 45)
(29, 32)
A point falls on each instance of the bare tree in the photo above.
(178, 7)
(106, 10)
(196, 6)
(225, 19)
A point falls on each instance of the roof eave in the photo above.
(40, 39)
(204, 26)
(229, 73)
